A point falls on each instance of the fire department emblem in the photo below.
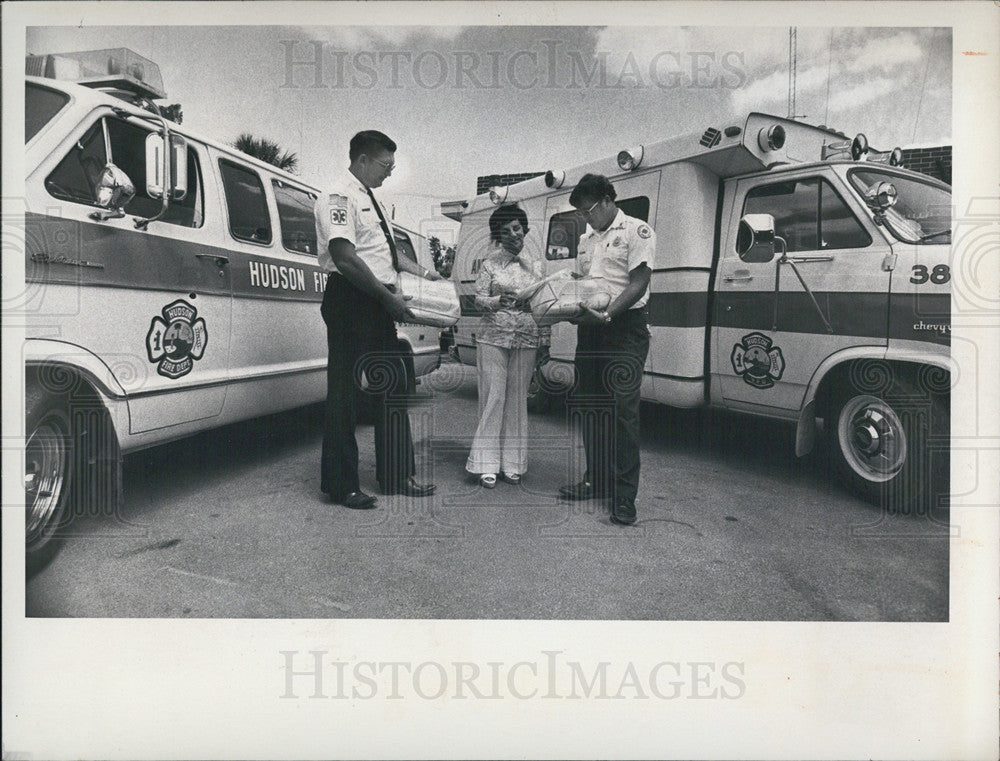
(757, 361)
(176, 339)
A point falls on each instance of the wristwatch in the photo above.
(607, 317)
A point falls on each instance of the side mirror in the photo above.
(114, 188)
(755, 238)
(880, 196)
(166, 171)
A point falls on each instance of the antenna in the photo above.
(792, 63)
(793, 56)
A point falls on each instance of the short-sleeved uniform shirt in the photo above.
(346, 211)
(610, 255)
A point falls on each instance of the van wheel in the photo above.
(48, 465)
(882, 446)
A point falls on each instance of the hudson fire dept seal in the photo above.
(756, 360)
(176, 339)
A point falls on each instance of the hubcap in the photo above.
(44, 478)
(872, 438)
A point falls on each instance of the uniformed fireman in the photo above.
(611, 347)
(360, 309)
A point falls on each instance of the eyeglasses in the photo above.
(587, 212)
(387, 165)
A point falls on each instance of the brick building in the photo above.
(488, 181)
(932, 160)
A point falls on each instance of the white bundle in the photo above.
(432, 302)
(561, 297)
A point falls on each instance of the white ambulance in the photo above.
(151, 314)
(799, 275)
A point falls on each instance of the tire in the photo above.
(49, 460)
(891, 446)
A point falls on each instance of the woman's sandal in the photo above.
(488, 480)
(511, 478)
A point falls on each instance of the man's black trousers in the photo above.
(362, 342)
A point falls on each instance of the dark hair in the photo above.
(503, 215)
(368, 141)
(592, 187)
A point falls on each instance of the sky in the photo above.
(467, 101)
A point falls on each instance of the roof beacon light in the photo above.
(771, 138)
(859, 146)
(554, 179)
(498, 194)
(631, 158)
(892, 158)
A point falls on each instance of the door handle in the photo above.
(739, 276)
(808, 259)
(220, 261)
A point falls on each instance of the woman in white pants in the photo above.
(507, 342)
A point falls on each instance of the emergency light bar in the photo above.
(892, 158)
(860, 150)
(118, 68)
(857, 147)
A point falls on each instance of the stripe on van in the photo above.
(72, 252)
(849, 314)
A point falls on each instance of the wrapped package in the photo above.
(432, 302)
(561, 297)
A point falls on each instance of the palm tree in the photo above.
(266, 150)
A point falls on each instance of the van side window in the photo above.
(295, 217)
(637, 207)
(808, 214)
(76, 176)
(248, 216)
(566, 227)
(403, 245)
(40, 105)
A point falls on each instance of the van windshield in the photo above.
(922, 212)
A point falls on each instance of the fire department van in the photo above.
(799, 275)
(171, 285)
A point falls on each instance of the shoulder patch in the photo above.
(338, 200)
(644, 231)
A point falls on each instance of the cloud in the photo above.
(883, 54)
(379, 37)
(855, 97)
(773, 89)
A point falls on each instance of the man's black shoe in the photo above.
(357, 500)
(623, 513)
(582, 490)
(410, 488)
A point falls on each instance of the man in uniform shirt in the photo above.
(611, 346)
(360, 309)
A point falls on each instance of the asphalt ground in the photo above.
(231, 523)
